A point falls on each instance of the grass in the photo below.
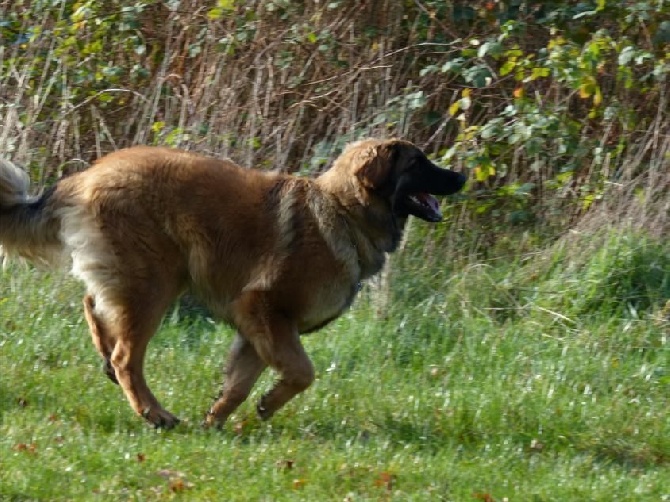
(541, 378)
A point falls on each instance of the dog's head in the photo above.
(399, 174)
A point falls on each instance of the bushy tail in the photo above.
(14, 184)
(29, 226)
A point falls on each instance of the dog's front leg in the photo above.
(242, 370)
(296, 372)
(276, 341)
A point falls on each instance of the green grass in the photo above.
(546, 377)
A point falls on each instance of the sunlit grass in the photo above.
(480, 381)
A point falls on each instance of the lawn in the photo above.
(545, 377)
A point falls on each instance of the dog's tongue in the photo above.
(430, 202)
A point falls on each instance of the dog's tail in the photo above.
(29, 226)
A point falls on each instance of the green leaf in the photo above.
(539, 72)
(588, 200)
(222, 6)
(483, 49)
(507, 68)
(428, 70)
(215, 14)
(455, 65)
(662, 35)
(226, 4)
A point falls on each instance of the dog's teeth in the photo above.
(418, 201)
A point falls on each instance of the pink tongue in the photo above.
(430, 201)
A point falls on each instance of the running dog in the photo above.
(274, 255)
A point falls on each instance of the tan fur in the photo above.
(272, 254)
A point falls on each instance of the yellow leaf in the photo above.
(453, 109)
(588, 200)
(480, 174)
(215, 14)
(584, 91)
(518, 92)
(556, 42)
(299, 483)
(466, 92)
(598, 96)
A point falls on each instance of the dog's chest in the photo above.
(327, 303)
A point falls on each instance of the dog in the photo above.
(274, 255)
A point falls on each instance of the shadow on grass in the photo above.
(631, 457)
(12, 496)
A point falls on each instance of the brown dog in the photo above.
(272, 254)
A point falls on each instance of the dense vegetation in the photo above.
(519, 350)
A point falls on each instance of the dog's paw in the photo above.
(211, 421)
(263, 412)
(160, 418)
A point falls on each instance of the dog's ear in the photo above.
(374, 164)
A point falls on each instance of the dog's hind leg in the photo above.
(101, 339)
(126, 315)
(243, 368)
(132, 326)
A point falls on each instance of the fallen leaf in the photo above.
(486, 497)
(176, 480)
(177, 485)
(299, 483)
(141, 457)
(385, 480)
(28, 448)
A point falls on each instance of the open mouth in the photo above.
(424, 206)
